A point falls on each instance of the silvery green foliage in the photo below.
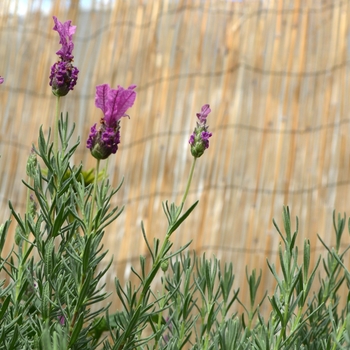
(197, 308)
(47, 301)
(54, 281)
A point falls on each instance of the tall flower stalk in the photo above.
(189, 180)
(104, 141)
(199, 141)
(64, 75)
(140, 306)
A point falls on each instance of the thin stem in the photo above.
(182, 334)
(163, 247)
(160, 316)
(105, 170)
(55, 140)
(282, 335)
(156, 267)
(23, 248)
(25, 243)
(94, 196)
(340, 334)
(189, 180)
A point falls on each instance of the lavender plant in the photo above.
(53, 296)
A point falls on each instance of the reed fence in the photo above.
(276, 75)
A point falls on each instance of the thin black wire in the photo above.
(115, 24)
(209, 187)
(232, 69)
(210, 74)
(230, 126)
(279, 73)
(235, 250)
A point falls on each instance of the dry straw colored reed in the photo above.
(276, 74)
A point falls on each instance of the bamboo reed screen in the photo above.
(276, 75)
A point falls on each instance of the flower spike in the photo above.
(64, 75)
(199, 140)
(114, 103)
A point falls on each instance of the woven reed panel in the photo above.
(276, 75)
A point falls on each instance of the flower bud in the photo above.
(31, 164)
(164, 265)
(18, 235)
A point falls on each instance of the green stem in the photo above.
(182, 334)
(25, 243)
(340, 334)
(162, 304)
(282, 335)
(55, 140)
(206, 342)
(297, 319)
(105, 170)
(156, 267)
(204, 313)
(189, 180)
(94, 196)
(161, 251)
(23, 249)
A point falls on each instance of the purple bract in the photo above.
(202, 116)
(65, 31)
(114, 102)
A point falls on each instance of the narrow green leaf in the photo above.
(48, 259)
(146, 241)
(4, 306)
(173, 227)
(84, 290)
(45, 301)
(76, 330)
(87, 253)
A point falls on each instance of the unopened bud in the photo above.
(32, 164)
(164, 265)
(199, 140)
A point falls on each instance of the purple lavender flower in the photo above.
(61, 320)
(65, 31)
(199, 140)
(114, 103)
(64, 75)
(202, 116)
(1, 79)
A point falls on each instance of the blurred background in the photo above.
(276, 75)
